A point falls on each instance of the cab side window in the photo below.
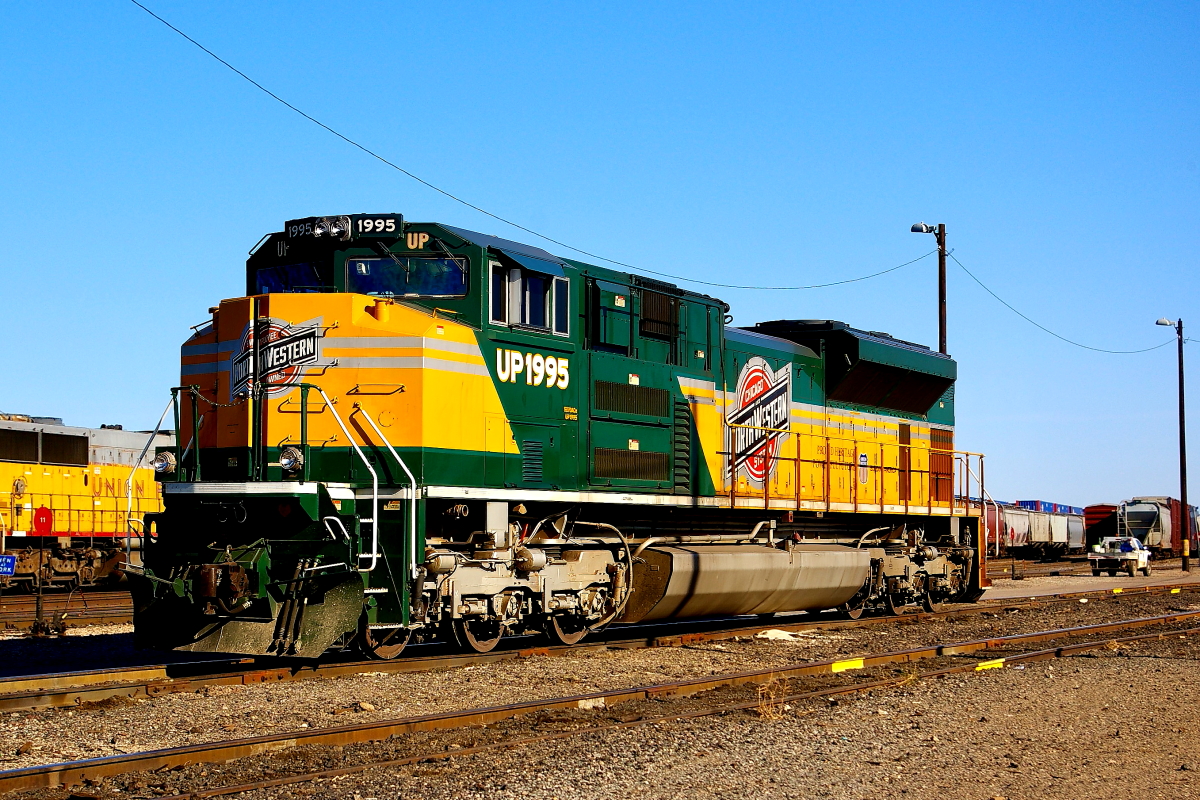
(528, 299)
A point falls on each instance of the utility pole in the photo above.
(1186, 511)
(941, 240)
(940, 233)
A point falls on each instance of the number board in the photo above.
(360, 225)
(8, 565)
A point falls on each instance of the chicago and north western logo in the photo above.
(763, 404)
(284, 350)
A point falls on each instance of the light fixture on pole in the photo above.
(1183, 498)
(940, 232)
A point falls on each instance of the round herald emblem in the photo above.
(43, 521)
(285, 350)
(760, 418)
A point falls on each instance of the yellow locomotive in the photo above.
(70, 498)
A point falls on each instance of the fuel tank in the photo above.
(717, 580)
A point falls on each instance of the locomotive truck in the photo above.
(411, 431)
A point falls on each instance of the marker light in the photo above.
(164, 463)
(291, 459)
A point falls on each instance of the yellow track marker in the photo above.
(1117, 591)
(850, 663)
(993, 664)
(1175, 590)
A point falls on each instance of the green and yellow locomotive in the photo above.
(410, 430)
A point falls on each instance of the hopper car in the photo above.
(67, 495)
(1032, 529)
(411, 431)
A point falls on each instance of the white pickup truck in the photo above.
(1123, 553)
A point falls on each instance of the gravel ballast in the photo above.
(221, 713)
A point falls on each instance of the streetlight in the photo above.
(1183, 501)
(940, 232)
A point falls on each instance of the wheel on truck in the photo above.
(1112, 573)
(1095, 572)
(381, 644)
(565, 629)
(1131, 569)
(480, 635)
(1146, 570)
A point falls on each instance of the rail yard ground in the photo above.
(1118, 722)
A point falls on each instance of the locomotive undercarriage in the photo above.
(562, 575)
(59, 566)
(495, 569)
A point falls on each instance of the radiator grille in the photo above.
(634, 465)
(626, 398)
(531, 461)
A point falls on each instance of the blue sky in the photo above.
(746, 143)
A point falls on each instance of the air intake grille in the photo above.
(681, 438)
(625, 398)
(634, 465)
(18, 445)
(531, 462)
(60, 448)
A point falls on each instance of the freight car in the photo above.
(415, 431)
(1157, 522)
(66, 497)
(1034, 529)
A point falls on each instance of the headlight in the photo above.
(163, 463)
(291, 459)
(340, 227)
(321, 228)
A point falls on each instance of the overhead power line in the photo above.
(1047, 330)
(484, 211)
(552, 240)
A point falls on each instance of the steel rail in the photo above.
(92, 770)
(64, 690)
(88, 608)
(759, 705)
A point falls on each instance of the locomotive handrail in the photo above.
(132, 472)
(847, 455)
(374, 482)
(412, 493)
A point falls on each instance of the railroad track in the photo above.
(19, 611)
(964, 657)
(69, 689)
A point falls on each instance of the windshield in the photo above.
(407, 276)
(291, 278)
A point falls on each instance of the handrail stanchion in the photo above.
(412, 493)
(194, 391)
(374, 482)
(304, 433)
